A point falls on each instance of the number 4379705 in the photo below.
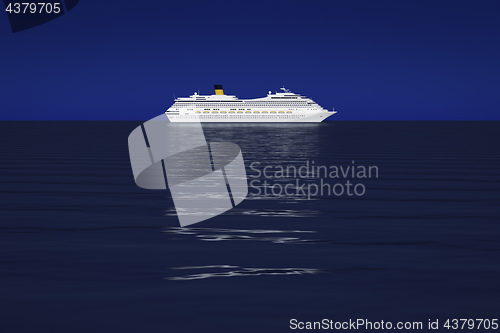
(471, 324)
(33, 8)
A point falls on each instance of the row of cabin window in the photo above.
(245, 112)
(240, 116)
(246, 104)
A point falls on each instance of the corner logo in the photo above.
(25, 15)
(205, 179)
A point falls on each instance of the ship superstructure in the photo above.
(282, 106)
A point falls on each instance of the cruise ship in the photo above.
(282, 106)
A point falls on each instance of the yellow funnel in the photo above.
(218, 89)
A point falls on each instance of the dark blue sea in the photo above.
(83, 249)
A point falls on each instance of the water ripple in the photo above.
(261, 212)
(241, 271)
(219, 234)
(192, 231)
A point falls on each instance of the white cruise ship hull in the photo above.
(309, 117)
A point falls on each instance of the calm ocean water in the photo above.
(85, 250)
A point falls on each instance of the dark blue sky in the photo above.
(371, 60)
